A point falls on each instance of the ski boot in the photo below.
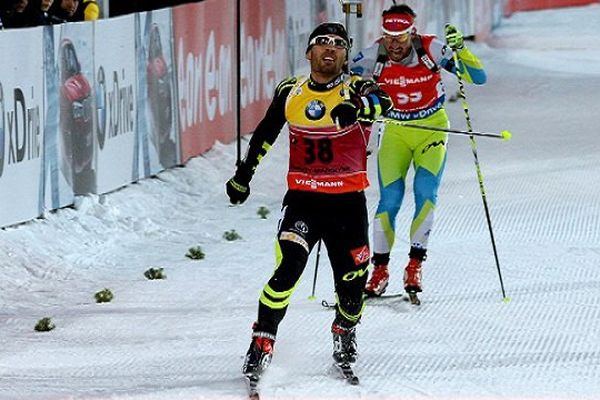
(344, 343)
(412, 280)
(259, 354)
(378, 283)
(344, 350)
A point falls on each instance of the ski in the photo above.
(347, 373)
(386, 296)
(413, 299)
(252, 386)
(409, 296)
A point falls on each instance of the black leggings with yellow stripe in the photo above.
(341, 221)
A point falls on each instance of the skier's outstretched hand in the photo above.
(238, 187)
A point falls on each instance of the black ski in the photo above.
(347, 373)
(252, 386)
(403, 296)
(387, 296)
(409, 296)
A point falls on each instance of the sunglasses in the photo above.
(403, 37)
(334, 41)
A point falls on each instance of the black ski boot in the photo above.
(344, 343)
(259, 354)
(257, 360)
(344, 350)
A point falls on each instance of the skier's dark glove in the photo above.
(345, 113)
(238, 187)
(454, 37)
(362, 88)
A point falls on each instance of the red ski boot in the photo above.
(379, 281)
(412, 280)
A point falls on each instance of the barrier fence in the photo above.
(91, 107)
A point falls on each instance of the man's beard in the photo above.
(326, 68)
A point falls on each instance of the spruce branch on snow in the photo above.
(44, 325)
(195, 253)
(263, 212)
(155, 273)
(104, 296)
(231, 235)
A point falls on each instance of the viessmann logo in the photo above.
(404, 81)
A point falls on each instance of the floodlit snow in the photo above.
(185, 337)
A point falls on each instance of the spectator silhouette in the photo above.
(40, 13)
(15, 14)
(88, 10)
(65, 9)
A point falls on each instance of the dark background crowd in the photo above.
(28, 13)
(120, 7)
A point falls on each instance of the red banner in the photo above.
(204, 42)
(263, 57)
(483, 20)
(512, 6)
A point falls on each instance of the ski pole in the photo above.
(504, 135)
(465, 105)
(312, 296)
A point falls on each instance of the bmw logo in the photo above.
(315, 110)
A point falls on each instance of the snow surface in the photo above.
(185, 337)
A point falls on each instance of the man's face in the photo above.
(45, 4)
(70, 6)
(327, 56)
(397, 46)
(20, 5)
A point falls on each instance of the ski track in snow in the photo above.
(185, 337)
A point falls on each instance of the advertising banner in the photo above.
(301, 18)
(156, 145)
(56, 187)
(527, 5)
(299, 26)
(204, 40)
(77, 148)
(370, 24)
(327, 11)
(263, 56)
(483, 11)
(21, 132)
(115, 94)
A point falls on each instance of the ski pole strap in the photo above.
(422, 54)
(382, 58)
